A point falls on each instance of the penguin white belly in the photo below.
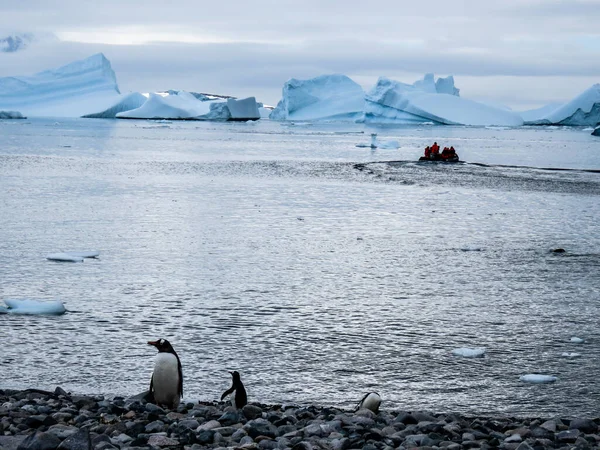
(372, 402)
(165, 380)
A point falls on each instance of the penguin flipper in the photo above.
(227, 392)
(180, 387)
(151, 384)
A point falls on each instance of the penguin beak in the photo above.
(154, 343)
(230, 372)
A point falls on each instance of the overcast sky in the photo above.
(522, 53)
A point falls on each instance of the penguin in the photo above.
(370, 401)
(166, 384)
(239, 398)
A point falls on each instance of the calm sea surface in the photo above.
(317, 269)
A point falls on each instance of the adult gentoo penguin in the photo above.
(166, 384)
(239, 398)
(370, 401)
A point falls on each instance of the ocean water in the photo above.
(317, 269)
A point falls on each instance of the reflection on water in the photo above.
(265, 249)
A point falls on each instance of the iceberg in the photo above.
(583, 110)
(426, 101)
(321, 98)
(27, 306)
(74, 90)
(244, 109)
(126, 103)
(182, 105)
(11, 115)
(84, 253)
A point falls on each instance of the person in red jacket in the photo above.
(427, 152)
(435, 151)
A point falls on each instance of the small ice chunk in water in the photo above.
(571, 355)
(64, 257)
(28, 306)
(537, 378)
(469, 352)
(577, 340)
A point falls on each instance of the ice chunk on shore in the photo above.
(537, 378)
(583, 110)
(324, 97)
(466, 352)
(64, 257)
(74, 90)
(27, 306)
(11, 115)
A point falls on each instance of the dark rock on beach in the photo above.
(40, 420)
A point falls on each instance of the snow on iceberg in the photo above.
(125, 103)
(537, 378)
(74, 90)
(324, 97)
(583, 110)
(393, 101)
(11, 115)
(26, 306)
(469, 352)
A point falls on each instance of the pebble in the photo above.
(32, 420)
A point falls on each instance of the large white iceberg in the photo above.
(583, 110)
(74, 90)
(426, 101)
(324, 97)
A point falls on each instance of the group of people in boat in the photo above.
(432, 153)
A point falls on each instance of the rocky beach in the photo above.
(39, 420)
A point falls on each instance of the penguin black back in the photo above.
(240, 399)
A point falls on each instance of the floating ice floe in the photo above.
(465, 352)
(26, 306)
(11, 115)
(571, 355)
(376, 143)
(537, 378)
(577, 340)
(64, 257)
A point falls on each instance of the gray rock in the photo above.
(267, 444)
(549, 425)
(205, 437)
(246, 440)
(188, 423)
(238, 434)
(514, 438)
(524, 446)
(155, 427)
(40, 441)
(162, 441)
(78, 441)
(151, 407)
(229, 418)
(11, 442)
(340, 444)
(260, 427)
(105, 446)
(568, 435)
(584, 425)
(252, 412)
(62, 431)
(209, 425)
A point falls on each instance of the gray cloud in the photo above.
(253, 47)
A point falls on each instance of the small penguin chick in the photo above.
(239, 398)
(166, 384)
